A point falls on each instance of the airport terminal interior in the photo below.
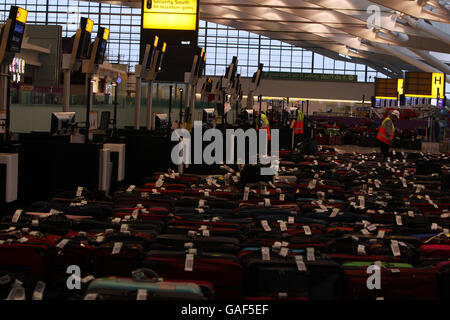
(225, 150)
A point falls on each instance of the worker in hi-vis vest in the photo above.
(386, 132)
(297, 124)
(264, 124)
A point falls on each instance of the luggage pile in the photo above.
(363, 136)
(327, 227)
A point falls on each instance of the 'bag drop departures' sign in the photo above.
(170, 14)
(176, 23)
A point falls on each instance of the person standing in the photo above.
(264, 124)
(386, 132)
(297, 126)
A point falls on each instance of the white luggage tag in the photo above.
(160, 181)
(377, 183)
(307, 230)
(334, 213)
(135, 214)
(23, 239)
(230, 170)
(265, 253)
(91, 296)
(310, 255)
(362, 202)
(403, 180)
(300, 263)
(5, 279)
(265, 226)
(276, 245)
(62, 243)
(189, 262)
(246, 193)
(131, 188)
(141, 295)
(395, 248)
(284, 251)
(361, 250)
(117, 247)
(16, 216)
(398, 220)
(381, 234)
(312, 184)
(435, 226)
(17, 293)
(283, 226)
(87, 279)
(38, 292)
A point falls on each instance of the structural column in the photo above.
(137, 111)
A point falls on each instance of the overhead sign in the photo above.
(170, 14)
(388, 88)
(308, 76)
(425, 85)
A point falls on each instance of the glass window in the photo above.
(318, 61)
(339, 65)
(221, 42)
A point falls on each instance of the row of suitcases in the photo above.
(315, 231)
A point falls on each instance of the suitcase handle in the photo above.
(140, 275)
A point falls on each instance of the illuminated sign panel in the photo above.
(400, 88)
(89, 25)
(388, 88)
(22, 15)
(106, 34)
(438, 85)
(424, 85)
(170, 14)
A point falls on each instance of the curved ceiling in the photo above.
(388, 35)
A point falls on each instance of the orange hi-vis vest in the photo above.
(383, 135)
(298, 125)
(265, 125)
